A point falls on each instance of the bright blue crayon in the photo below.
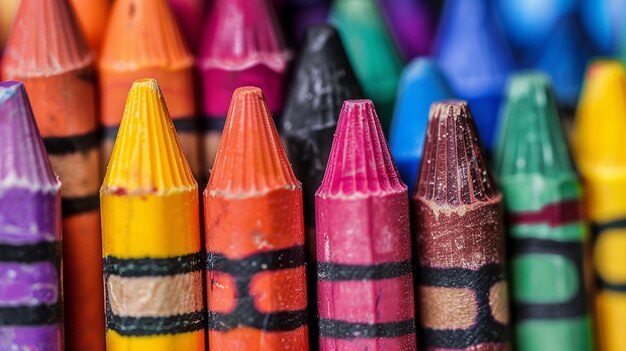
(603, 21)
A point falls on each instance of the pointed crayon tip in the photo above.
(360, 162)
(23, 158)
(251, 157)
(531, 139)
(147, 156)
(601, 117)
(422, 83)
(454, 171)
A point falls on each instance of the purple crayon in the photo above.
(412, 23)
(30, 234)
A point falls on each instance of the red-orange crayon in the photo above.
(92, 18)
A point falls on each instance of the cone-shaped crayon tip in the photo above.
(251, 157)
(60, 49)
(531, 139)
(360, 161)
(24, 162)
(601, 117)
(92, 18)
(150, 34)
(454, 171)
(147, 156)
(422, 83)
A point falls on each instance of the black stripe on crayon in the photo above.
(212, 123)
(42, 314)
(185, 124)
(31, 253)
(263, 261)
(335, 329)
(485, 328)
(245, 315)
(576, 306)
(149, 326)
(152, 267)
(387, 270)
(598, 229)
(71, 206)
(60, 146)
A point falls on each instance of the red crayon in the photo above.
(365, 282)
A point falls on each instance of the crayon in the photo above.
(8, 9)
(151, 233)
(92, 16)
(46, 51)
(241, 45)
(599, 151)
(305, 16)
(462, 288)
(371, 50)
(421, 84)
(30, 231)
(547, 233)
(603, 23)
(190, 16)
(143, 40)
(472, 52)
(365, 279)
(412, 24)
(254, 235)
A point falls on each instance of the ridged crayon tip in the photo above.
(45, 40)
(360, 162)
(24, 161)
(531, 139)
(601, 117)
(454, 171)
(251, 159)
(240, 34)
(143, 34)
(147, 157)
(323, 80)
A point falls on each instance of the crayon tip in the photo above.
(147, 156)
(531, 139)
(601, 117)
(360, 161)
(421, 84)
(454, 171)
(251, 157)
(23, 158)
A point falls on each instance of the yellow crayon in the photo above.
(600, 151)
(151, 234)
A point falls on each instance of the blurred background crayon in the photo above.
(151, 233)
(412, 23)
(421, 84)
(46, 51)
(254, 234)
(190, 17)
(547, 232)
(364, 272)
(371, 50)
(30, 231)
(461, 292)
(144, 40)
(92, 16)
(297, 16)
(599, 150)
(603, 21)
(241, 45)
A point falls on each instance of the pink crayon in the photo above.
(189, 15)
(365, 282)
(241, 46)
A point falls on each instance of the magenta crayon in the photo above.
(365, 282)
(30, 231)
(189, 15)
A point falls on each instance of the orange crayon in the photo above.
(143, 40)
(254, 236)
(92, 18)
(46, 51)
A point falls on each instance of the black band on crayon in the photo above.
(149, 326)
(59, 146)
(212, 123)
(152, 267)
(31, 253)
(185, 124)
(245, 313)
(338, 272)
(110, 132)
(71, 206)
(576, 306)
(485, 328)
(335, 329)
(598, 229)
(42, 314)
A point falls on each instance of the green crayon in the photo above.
(546, 230)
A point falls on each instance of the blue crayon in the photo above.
(603, 21)
(421, 84)
(473, 53)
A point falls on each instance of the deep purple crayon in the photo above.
(30, 231)
(412, 23)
